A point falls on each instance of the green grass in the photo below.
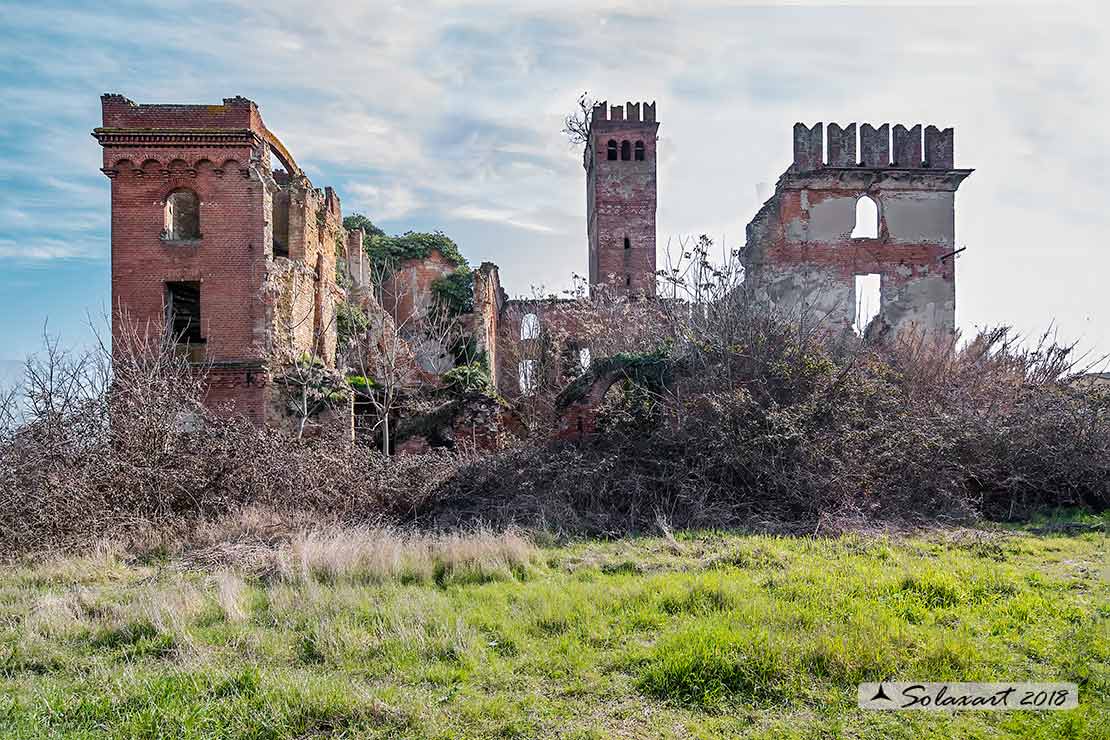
(715, 636)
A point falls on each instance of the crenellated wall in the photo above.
(804, 249)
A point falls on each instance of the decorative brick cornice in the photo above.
(111, 137)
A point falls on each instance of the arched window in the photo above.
(530, 326)
(612, 149)
(526, 376)
(867, 219)
(626, 151)
(182, 215)
(639, 151)
(627, 243)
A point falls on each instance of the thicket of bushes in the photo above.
(781, 433)
(759, 425)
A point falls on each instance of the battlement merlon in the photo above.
(630, 114)
(907, 149)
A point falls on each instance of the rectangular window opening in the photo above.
(868, 301)
(183, 312)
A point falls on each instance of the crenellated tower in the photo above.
(620, 162)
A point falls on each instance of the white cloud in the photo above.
(385, 203)
(450, 110)
(39, 250)
(497, 215)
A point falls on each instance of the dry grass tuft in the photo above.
(379, 554)
(230, 595)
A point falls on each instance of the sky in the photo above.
(448, 115)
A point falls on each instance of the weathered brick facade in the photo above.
(620, 167)
(257, 264)
(808, 243)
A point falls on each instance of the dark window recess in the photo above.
(627, 243)
(182, 216)
(183, 312)
(626, 151)
(628, 280)
(639, 151)
(612, 149)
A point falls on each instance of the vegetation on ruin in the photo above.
(471, 378)
(454, 293)
(358, 221)
(350, 322)
(383, 633)
(386, 252)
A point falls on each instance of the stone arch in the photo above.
(578, 402)
(281, 153)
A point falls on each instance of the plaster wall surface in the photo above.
(800, 255)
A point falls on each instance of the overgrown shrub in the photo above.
(789, 432)
(756, 424)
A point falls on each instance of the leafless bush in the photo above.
(119, 446)
(759, 421)
(765, 418)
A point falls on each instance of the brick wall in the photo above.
(407, 292)
(223, 154)
(804, 251)
(621, 199)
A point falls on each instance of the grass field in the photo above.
(371, 634)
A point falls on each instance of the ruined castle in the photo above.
(220, 241)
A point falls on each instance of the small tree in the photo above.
(576, 126)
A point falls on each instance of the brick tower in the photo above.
(620, 197)
(211, 248)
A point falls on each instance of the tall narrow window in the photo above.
(639, 151)
(612, 149)
(530, 326)
(628, 280)
(182, 215)
(627, 243)
(868, 290)
(867, 219)
(183, 312)
(626, 150)
(526, 376)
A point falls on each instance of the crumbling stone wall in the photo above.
(407, 292)
(801, 254)
(621, 197)
(489, 299)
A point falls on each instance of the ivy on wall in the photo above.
(455, 292)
